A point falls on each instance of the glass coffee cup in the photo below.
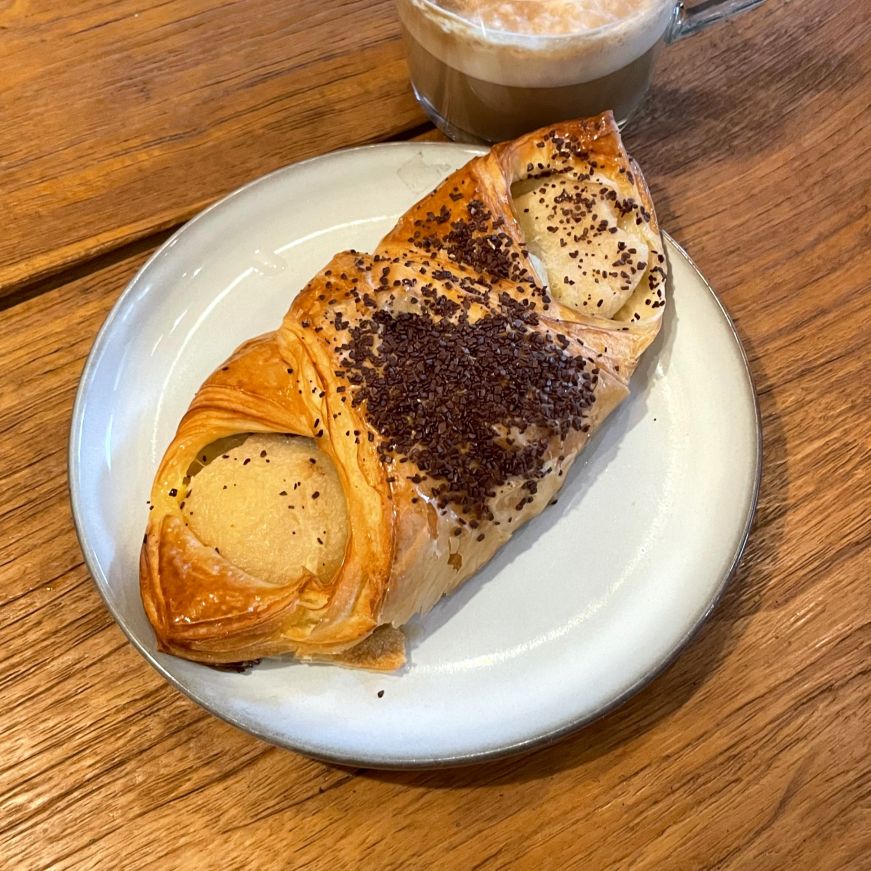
(489, 70)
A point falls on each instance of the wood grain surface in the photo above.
(124, 118)
(751, 751)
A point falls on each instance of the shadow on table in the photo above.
(676, 686)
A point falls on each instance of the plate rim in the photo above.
(534, 742)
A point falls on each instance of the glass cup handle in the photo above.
(700, 15)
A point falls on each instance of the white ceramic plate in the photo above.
(580, 609)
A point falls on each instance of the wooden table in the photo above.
(119, 121)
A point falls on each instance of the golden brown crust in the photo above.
(405, 549)
(383, 650)
(187, 588)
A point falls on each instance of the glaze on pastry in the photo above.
(416, 406)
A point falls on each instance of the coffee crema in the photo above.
(489, 70)
(545, 17)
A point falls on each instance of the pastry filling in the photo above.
(588, 238)
(269, 503)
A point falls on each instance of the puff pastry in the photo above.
(416, 406)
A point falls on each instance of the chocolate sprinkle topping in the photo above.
(476, 241)
(473, 404)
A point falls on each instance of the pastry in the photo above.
(416, 406)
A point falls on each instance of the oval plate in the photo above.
(580, 609)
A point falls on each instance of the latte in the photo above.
(488, 70)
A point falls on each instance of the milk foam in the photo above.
(536, 43)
